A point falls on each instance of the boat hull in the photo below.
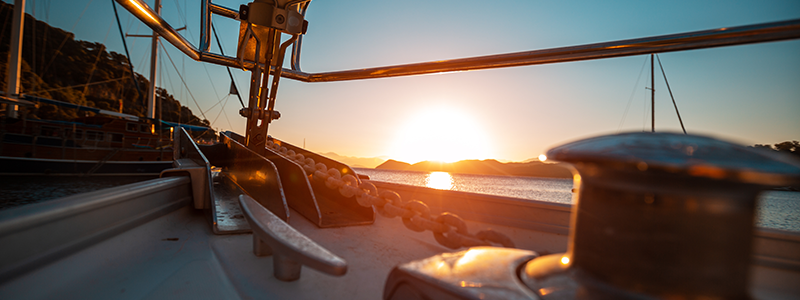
(92, 146)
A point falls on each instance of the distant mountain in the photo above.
(356, 162)
(484, 167)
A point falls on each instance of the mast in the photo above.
(14, 57)
(652, 95)
(151, 96)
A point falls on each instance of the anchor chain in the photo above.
(448, 229)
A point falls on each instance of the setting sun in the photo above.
(439, 180)
(444, 134)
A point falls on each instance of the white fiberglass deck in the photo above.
(177, 256)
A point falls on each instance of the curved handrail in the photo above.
(759, 33)
(727, 36)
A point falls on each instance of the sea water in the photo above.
(775, 209)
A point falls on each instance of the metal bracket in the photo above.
(298, 191)
(261, 13)
(262, 114)
(257, 176)
(324, 207)
(197, 174)
(188, 159)
(289, 248)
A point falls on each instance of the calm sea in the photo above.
(775, 209)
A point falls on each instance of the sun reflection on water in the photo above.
(439, 180)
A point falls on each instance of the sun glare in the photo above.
(444, 135)
(439, 180)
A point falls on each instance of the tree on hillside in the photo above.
(57, 66)
(789, 147)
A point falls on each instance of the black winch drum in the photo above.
(660, 214)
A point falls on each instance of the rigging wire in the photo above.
(218, 103)
(214, 30)
(34, 69)
(133, 45)
(79, 85)
(184, 81)
(180, 13)
(33, 44)
(221, 110)
(229, 120)
(633, 93)
(7, 19)
(142, 62)
(66, 37)
(644, 108)
(160, 83)
(213, 87)
(164, 74)
(670, 94)
(208, 74)
(127, 54)
(47, 11)
(46, 4)
(183, 71)
(46, 32)
(97, 59)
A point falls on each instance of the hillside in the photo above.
(483, 167)
(356, 162)
(57, 66)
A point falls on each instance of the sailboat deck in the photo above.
(177, 256)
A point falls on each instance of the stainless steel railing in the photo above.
(728, 36)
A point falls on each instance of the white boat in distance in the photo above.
(657, 215)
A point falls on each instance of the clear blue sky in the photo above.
(748, 94)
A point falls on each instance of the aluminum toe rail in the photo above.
(34, 235)
(289, 248)
(188, 160)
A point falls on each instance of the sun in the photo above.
(441, 134)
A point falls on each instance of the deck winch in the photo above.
(656, 215)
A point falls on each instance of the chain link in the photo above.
(448, 229)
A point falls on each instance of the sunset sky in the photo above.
(747, 94)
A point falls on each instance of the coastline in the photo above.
(484, 167)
